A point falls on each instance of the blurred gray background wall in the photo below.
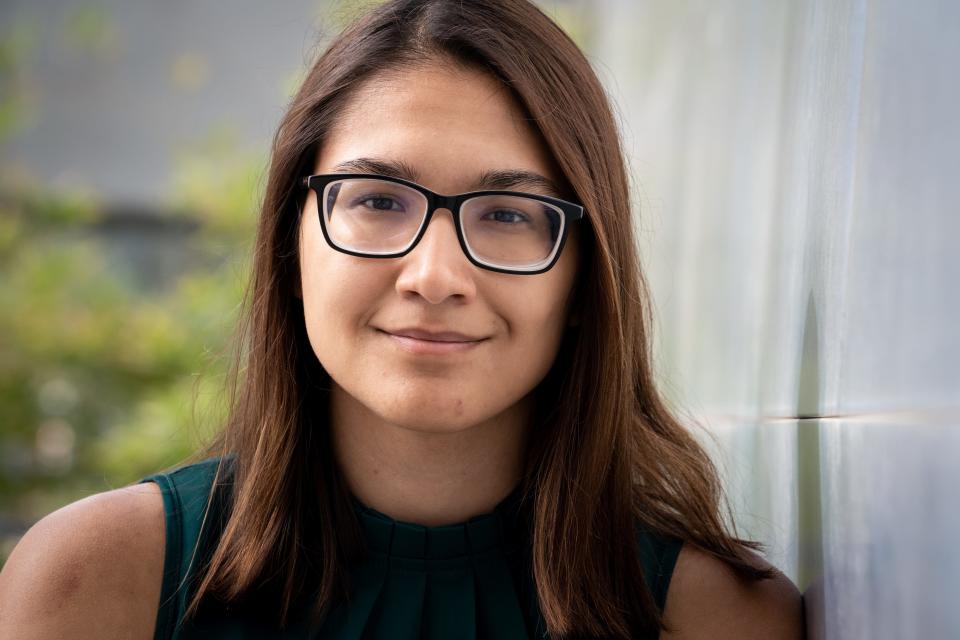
(795, 169)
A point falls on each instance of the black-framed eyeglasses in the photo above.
(376, 216)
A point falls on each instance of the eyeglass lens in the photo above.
(374, 216)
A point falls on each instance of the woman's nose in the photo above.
(437, 269)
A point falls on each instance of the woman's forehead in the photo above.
(439, 121)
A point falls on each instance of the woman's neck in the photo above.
(422, 477)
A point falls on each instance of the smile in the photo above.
(431, 347)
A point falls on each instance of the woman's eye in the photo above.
(380, 203)
(507, 216)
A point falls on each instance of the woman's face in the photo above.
(449, 126)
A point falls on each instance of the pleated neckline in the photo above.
(502, 528)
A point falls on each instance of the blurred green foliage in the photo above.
(102, 380)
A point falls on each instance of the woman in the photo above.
(446, 424)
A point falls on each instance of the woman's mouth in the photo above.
(425, 346)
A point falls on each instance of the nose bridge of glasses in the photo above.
(444, 202)
(440, 204)
(437, 202)
(438, 211)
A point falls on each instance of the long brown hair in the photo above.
(608, 455)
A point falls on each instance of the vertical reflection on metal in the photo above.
(809, 517)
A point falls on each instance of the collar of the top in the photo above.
(500, 529)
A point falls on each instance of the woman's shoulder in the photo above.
(707, 599)
(101, 563)
(91, 566)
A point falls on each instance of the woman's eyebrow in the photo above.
(390, 168)
(517, 179)
(506, 179)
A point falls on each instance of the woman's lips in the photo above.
(431, 347)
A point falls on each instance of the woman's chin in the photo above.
(431, 417)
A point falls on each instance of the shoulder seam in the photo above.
(167, 613)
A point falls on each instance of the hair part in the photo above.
(606, 454)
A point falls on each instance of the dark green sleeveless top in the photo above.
(471, 580)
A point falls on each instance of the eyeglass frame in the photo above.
(571, 213)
